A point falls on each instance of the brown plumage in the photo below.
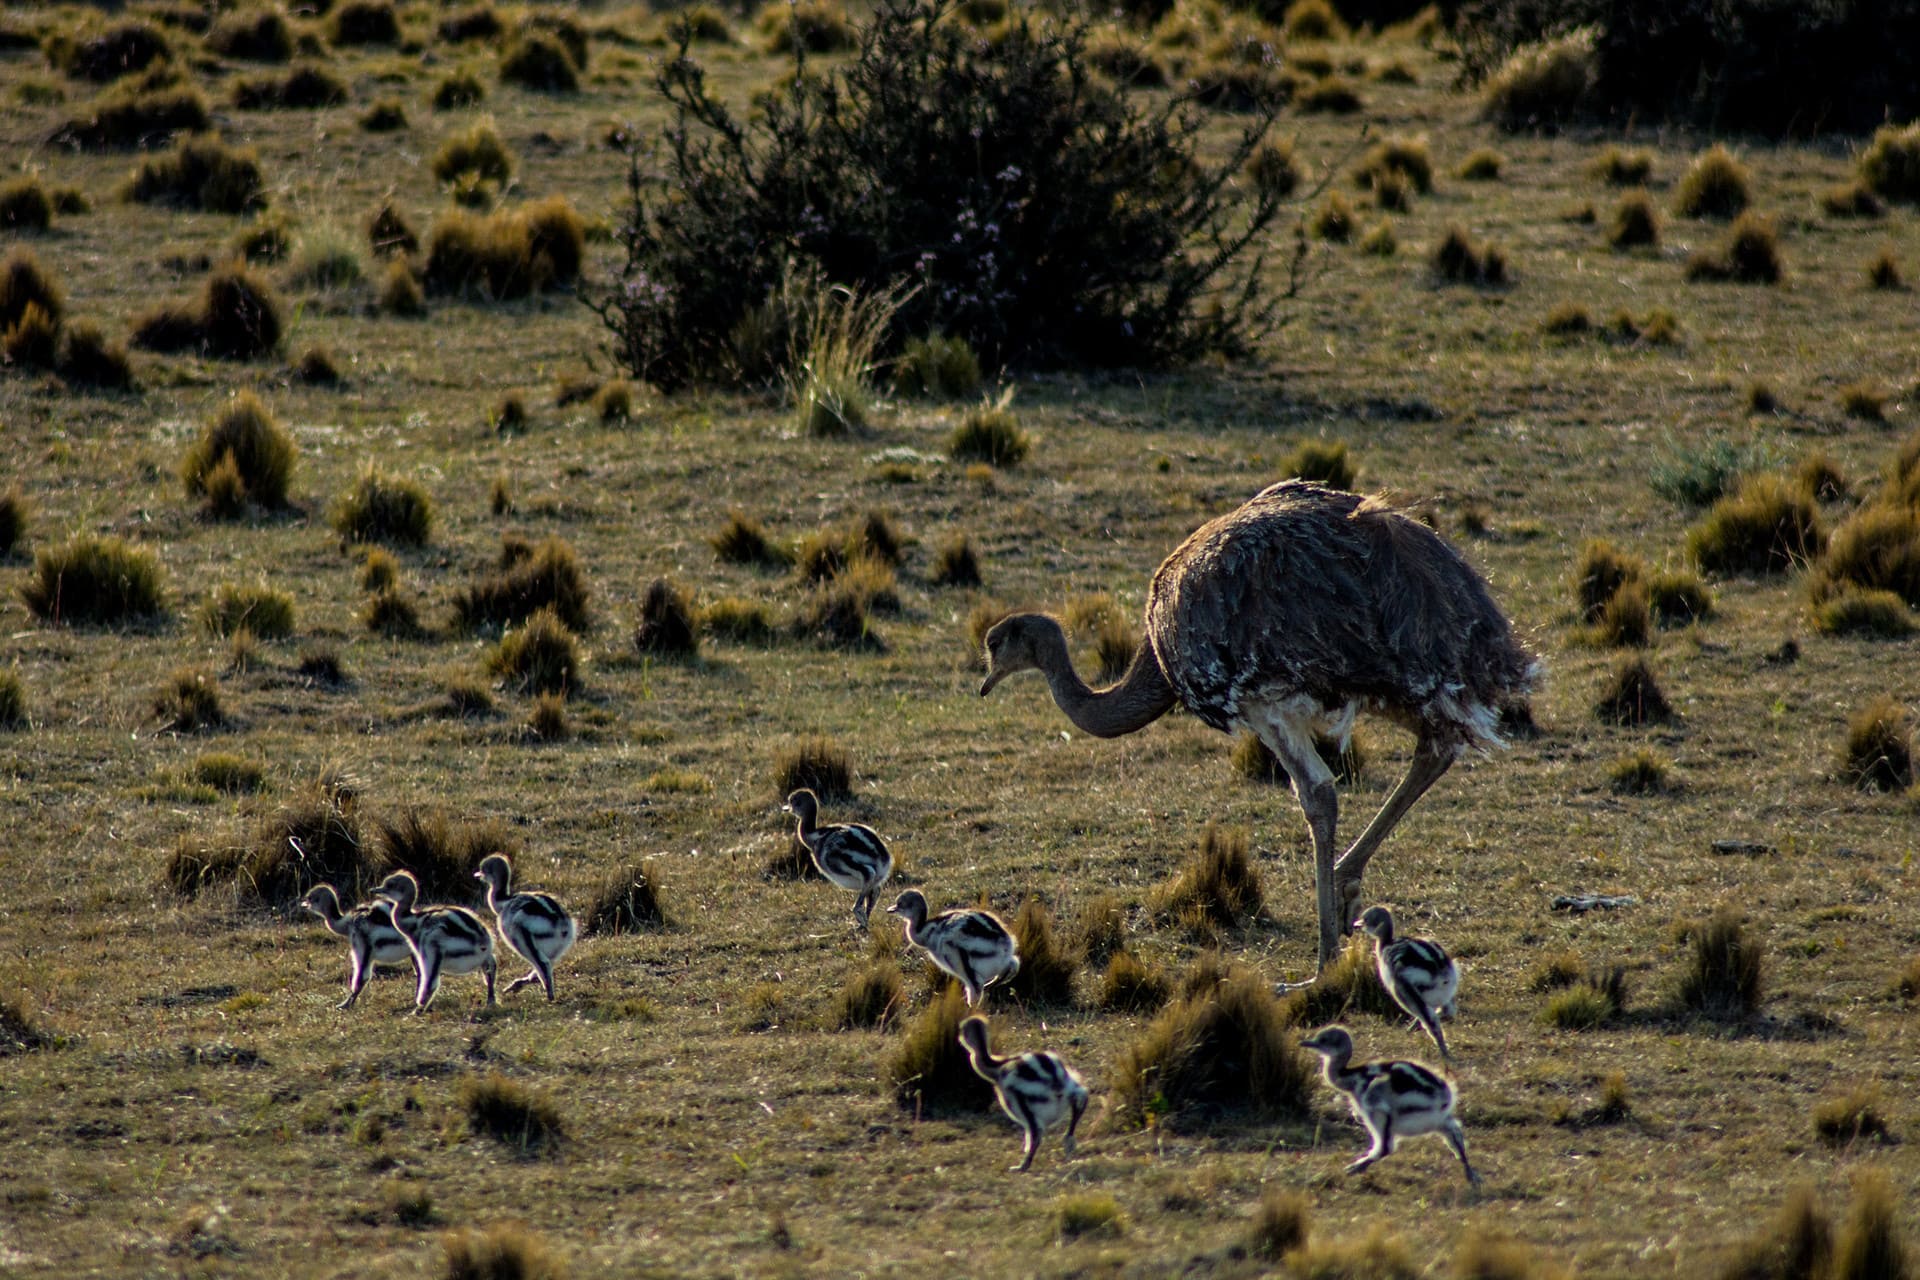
(1291, 614)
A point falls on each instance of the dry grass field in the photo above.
(179, 1094)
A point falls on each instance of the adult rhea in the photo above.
(1291, 614)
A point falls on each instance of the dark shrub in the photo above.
(1878, 754)
(1726, 975)
(627, 902)
(202, 173)
(257, 35)
(136, 118)
(390, 234)
(116, 52)
(380, 508)
(387, 115)
(359, 22)
(956, 564)
(96, 581)
(263, 453)
(88, 358)
(538, 62)
(523, 582)
(1632, 697)
(1766, 526)
(541, 657)
(1223, 1052)
(1087, 256)
(25, 205)
(666, 627)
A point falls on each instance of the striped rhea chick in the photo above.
(445, 939)
(1393, 1100)
(973, 946)
(533, 924)
(370, 933)
(1036, 1090)
(1417, 972)
(851, 855)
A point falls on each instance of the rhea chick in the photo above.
(535, 925)
(973, 946)
(851, 855)
(1393, 1100)
(1037, 1090)
(1417, 972)
(445, 939)
(370, 933)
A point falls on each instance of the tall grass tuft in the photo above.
(1222, 1053)
(543, 656)
(990, 433)
(440, 852)
(1750, 254)
(15, 517)
(1716, 185)
(524, 581)
(1280, 1224)
(743, 540)
(937, 366)
(1324, 462)
(1047, 964)
(13, 700)
(1218, 881)
(1090, 1214)
(1871, 1246)
(1542, 84)
(1890, 164)
(1725, 976)
(1635, 224)
(668, 621)
(1599, 574)
(873, 997)
(1349, 985)
(1130, 985)
(1766, 526)
(383, 508)
(510, 1113)
(1842, 1119)
(817, 763)
(956, 563)
(627, 902)
(1679, 597)
(238, 316)
(1460, 259)
(96, 581)
(505, 1251)
(831, 361)
(1631, 696)
(929, 1073)
(1797, 1245)
(189, 701)
(202, 173)
(261, 450)
(263, 610)
(1878, 752)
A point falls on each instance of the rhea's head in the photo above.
(1022, 642)
(910, 906)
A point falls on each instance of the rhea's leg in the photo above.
(1431, 759)
(362, 965)
(1457, 1139)
(1079, 1109)
(1292, 746)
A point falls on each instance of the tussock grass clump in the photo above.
(1851, 611)
(929, 1073)
(1090, 1214)
(541, 657)
(1842, 1119)
(14, 518)
(1100, 928)
(1700, 475)
(1218, 881)
(25, 283)
(1851, 200)
(1349, 985)
(96, 581)
(1567, 320)
(743, 540)
(32, 341)
(506, 255)
(937, 366)
(1329, 95)
(1280, 1224)
(956, 564)
(136, 118)
(254, 35)
(384, 508)
(202, 173)
(246, 434)
(1766, 526)
(1130, 985)
(25, 205)
(17, 1032)
(1619, 167)
(1635, 223)
(1871, 1245)
(1047, 964)
(1596, 999)
(228, 773)
(1274, 167)
(547, 718)
(1750, 255)
(1632, 697)
(1324, 462)
(1222, 1053)
(1644, 772)
(1725, 976)
(1407, 157)
(701, 24)
(458, 90)
(121, 50)
(817, 763)
(627, 902)
(667, 626)
(476, 22)
(363, 22)
(834, 341)
(990, 433)
(503, 1252)
(739, 620)
(1679, 598)
(1626, 619)
(1863, 401)
(238, 316)
(1797, 1245)
(1458, 259)
(263, 241)
(1890, 165)
(1312, 20)
(838, 612)
(388, 611)
(325, 257)
(1542, 84)
(189, 701)
(439, 852)
(316, 367)
(266, 612)
(13, 700)
(817, 26)
(1334, 219)
(1877, 754)
(511, 1114)
(539, 62)
(1661, 328)
(1562, 969)
(477, 149)
(1599, 574)
(873, 997)
(1380, 240)
(1716, 185)
(524, 580)
(400, 291)
(388, 115)
(1483, 164)
(613, 401)
(304, 88)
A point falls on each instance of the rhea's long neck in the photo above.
(1140, 697)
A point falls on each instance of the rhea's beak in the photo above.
(993, 678)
